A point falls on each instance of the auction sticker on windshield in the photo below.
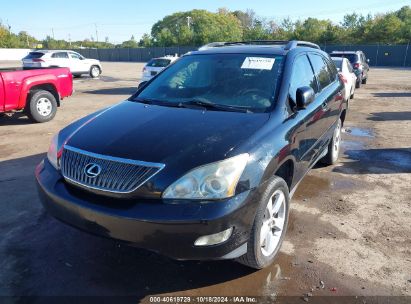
(258, 63)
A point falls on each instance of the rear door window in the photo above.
(63, 55)
(302, 76)
(321, 70)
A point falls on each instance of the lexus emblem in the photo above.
(92, 170)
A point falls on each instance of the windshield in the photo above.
(338, 63)
(158, 63)
(351, 57)
(230, 80)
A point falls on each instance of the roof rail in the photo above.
(250, 42)
(295, 43)
(288, 44)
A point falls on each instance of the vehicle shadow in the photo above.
(376, 161)
(113, 91)
(392, 94)
(15, 119)
(44, 257)
(390, 116)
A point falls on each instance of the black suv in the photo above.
(358, 62)
(201, 162)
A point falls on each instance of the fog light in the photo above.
(214, 239)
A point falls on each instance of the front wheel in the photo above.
(95, 71)
(334, 146)
(42, 106)
(269, 227)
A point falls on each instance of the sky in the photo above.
(119, 20)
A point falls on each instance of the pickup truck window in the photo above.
(302, 76)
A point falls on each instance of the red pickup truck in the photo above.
(37, 92)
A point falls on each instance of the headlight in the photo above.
(52, 153)
(213, 181)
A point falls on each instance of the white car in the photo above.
(347, 74)
(155, 66)
(77, 64)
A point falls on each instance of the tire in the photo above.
(334, 146)
(352, 95)
(261, 253)
(364, 81)
(42, 106)
(358, 83)
(95, 71)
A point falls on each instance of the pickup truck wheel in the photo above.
(42, 106)
(334, 146)
(269, 227)
(95, 71)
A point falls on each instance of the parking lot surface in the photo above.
(349, 230)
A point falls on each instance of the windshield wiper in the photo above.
(143, 100)
(212, 106)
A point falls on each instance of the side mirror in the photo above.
(142, 84)
(304, 96)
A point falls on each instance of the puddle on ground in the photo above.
(376, 161)
(311, 186)
(351, 144)
(359, 132)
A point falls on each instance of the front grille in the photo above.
(116, 175)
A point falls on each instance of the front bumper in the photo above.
(169, 229)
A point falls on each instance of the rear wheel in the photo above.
(334, 146)
(95, 71)
(42, 106)
(269, 227)
(358, 83)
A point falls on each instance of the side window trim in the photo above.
(317, 82)
(316, 89)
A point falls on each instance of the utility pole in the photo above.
(69, 38)
(52, 32)
(189, 21)
(95, 24)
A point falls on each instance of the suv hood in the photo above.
(184, 137)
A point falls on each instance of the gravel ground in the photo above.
(349, 224)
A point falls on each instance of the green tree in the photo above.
(196, 27)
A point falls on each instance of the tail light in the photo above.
(356, 65)
(341, 76)
(38, 60)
